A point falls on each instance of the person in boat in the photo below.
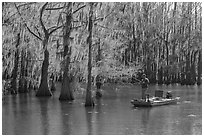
(98, 86)
(144, 85)
(168, 95)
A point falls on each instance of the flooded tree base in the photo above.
(66, 98)
(43, 93)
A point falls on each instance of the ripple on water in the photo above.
(187, 101)
(191, 115)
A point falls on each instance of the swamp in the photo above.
(72, 68)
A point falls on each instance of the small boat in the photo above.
(157, 100)
(154, 101)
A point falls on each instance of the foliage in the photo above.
(130, 36)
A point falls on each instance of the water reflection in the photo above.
(65, 117)
(89, 117)
(113, 114)
(94, 117)
(99, 116)
(44, 117)
(145, 118)
(20, 113)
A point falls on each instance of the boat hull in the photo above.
(152, 102)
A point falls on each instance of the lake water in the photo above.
(112, 115)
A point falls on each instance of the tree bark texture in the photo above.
(66, 90)
(43, 89)
(89, 99)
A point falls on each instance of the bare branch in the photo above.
(101, 18)
(13, 15)
(51, 28)
(59, 19)
(79, 9)
(108, 14)
(33, 33)
(26, 24)
(27, 3)
(55, 29)
(41, 22)
(55, 8)
(37, 31)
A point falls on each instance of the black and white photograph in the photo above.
(101, 68)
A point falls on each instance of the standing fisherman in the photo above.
(144, 84)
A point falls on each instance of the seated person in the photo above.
(168, 95)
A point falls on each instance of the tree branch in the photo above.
(41, 22)
(37, 31)
(54, 8)
(109, 14)
(26, 24)
(33, 33)
(101, 18)
(79, 9)
(27, 3)
(55, 29)
(51, 28)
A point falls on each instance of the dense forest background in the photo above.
(75, 42)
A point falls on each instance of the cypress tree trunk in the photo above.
(15, 69)
(188, 58)
(134, 55)
(154, 69)
(97, 79)
(22, 72)
(199, 69)
(193, 70)
(167, 80)
(89, 100)
(52, 84)
(160, 75)
(126, 57)
(66, 91)
(188, 73)
(43, 89)
(26, 75)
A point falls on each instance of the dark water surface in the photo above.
(113, 114)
